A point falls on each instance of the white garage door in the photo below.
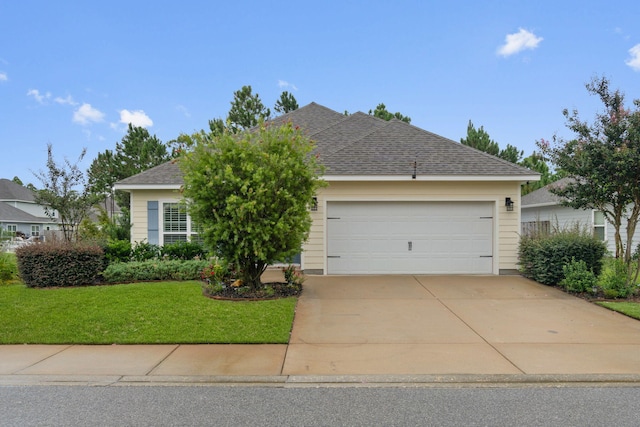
(410, 237)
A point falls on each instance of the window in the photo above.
(12, 228)
(536, 227)
(176, 224)
(35, 230)
(599, 224)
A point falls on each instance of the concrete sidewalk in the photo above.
(379, 329)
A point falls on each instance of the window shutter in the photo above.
(153, 229)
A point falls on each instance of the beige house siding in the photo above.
(139, 218)
(506, 223)
(314, 258)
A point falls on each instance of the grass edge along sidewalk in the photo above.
(139, 313)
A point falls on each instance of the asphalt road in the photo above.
(327, 406)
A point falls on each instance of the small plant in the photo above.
(183, 250)
(614, 280)
(8, 268)
(118, 251)
(293, 275)
(215, 273)
(144, 251)
(578, 278)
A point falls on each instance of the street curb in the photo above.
(300, 381)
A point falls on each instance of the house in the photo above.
(542, 211)
(19, 212)
(399, 200)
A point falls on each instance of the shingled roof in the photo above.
(363, 145)
(10, 191)
(543, 196)
(10, 214)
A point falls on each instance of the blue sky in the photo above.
(74, 73)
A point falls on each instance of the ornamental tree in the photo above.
(603, 161)
(250, 193)
(65, 195)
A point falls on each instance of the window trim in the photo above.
(189, 232)
(603, 226)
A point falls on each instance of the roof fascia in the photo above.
(129, 187)
(540, 205)
(521, 178)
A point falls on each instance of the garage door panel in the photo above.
(409, 237)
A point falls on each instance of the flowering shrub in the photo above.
(293, 275)
(216, 276)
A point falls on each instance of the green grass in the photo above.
(141, 313)
(631, 309)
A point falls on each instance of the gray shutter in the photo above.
(153, 229)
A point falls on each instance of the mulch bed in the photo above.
(270, 290)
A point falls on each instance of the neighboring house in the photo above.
(19, 212)
(399, 200)
(542, 211)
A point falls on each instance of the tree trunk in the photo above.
(251, 273)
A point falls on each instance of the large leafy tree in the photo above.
(603, 160)
(286, 103)
(251, 194)
(381, 112)
(64, 193)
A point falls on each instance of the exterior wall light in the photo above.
(509, 204)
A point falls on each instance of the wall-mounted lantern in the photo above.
(509, 204)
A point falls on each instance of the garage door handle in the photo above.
(410, 246)
(333, 256)
(486, 256)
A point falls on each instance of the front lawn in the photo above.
(141, 313)
(631, 309)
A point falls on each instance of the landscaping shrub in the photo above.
(542, 257)
(143, 251)
(183, 251)
(137, 271)
(118, 251)
(8, 267)
(613, 280)
(54, 264)
(578, 277)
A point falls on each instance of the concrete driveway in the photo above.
(409, 325)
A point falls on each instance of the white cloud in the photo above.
(86, 114)
(285, 84)
(518, 42)
(40, 98)
(136, 118)
(65, 101)
(634, 61)
(3, 77)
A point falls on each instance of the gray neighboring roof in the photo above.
(543, 196)
(10, 214)
(165, 174)
(11, 191)
(363, 145)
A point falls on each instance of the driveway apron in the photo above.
(412, 325)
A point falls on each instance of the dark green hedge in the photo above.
(59, 264)
(542, 257)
